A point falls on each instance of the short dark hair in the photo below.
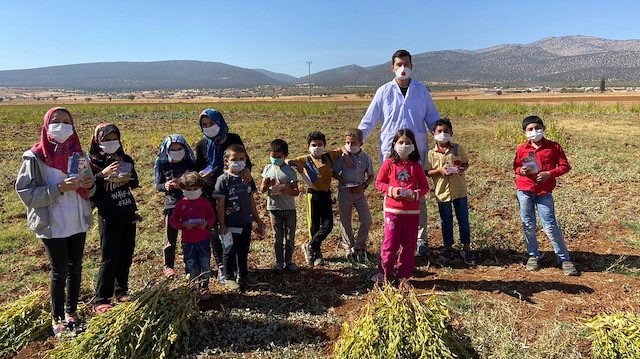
(279, 145)
(234, 148)
(316, 136)
(191, 179)
(355, 133)
(400, 53)
(413, 156)
(443, 122)
(531, 119)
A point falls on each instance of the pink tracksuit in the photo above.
(401, 216)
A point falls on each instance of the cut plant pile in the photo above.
(615, 336)
(153, 324)
(23, 321)
(398, 325)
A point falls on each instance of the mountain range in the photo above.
(552, 60)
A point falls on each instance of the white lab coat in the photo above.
(416, 112)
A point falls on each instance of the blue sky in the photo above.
(281, 36)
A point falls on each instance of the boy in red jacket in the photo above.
(537, 164)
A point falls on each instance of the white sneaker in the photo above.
(377, 278)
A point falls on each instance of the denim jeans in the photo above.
(197, 260)
(528, 202)
(446, 220)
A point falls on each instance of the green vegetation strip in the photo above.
(23, 321)
(398, 325)
(154, 324)
(615, 335)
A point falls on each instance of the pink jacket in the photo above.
(406, 174)
(195, 210)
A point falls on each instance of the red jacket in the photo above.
(407, 174)
(550, 157)
(197, 209)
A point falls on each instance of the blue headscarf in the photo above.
(214, 153)
(163, 153)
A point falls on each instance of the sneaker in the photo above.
(102, 308)
(292, 267)
(405, 284)
(278, 268)
(533, 264)
(317, 259)
(169, 273)
(58, 329)
(377, 278)
(231, 284)
(351, 255)
(446, 254)
(423, 250)
(362, 256)
(248, 281)
(221, 278)
(308, 254)
(568, 268)
(469, 258)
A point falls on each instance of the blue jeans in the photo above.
(528, 202)
(197, 260)
(446, 220)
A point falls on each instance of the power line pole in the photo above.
(309, 63)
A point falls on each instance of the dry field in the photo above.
(503, 310)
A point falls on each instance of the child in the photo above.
(446, 164)
(403, 181)
(115, 175)
(351, 187)
(236, 210)
(194, 215)
(282, 183)
(537, 164)
(174, 159)
(316, 168)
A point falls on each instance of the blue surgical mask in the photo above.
(277, 161)
(237, 166)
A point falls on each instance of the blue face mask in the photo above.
(277, 161)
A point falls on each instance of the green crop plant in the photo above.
(23, 321)
(153, 324)
(615, 335)
(398, 325)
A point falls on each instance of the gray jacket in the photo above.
(38, 196)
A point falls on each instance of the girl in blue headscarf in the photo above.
(174, 159)
(209, 152)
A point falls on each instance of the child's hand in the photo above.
(395, 193)
(358, 189)
(86, 182)
(524, 170)
(246, 175)
(68, 184)
(410, 195)
(443, 171)
(261, 227)
(111, 169)
(222, 229)
(187, 225)
(543, 176)
(461, 169)
(204, 224)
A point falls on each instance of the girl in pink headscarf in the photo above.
(58, 210)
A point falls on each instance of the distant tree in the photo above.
(131, 97)
(602, 84)
(54, 98)
(1, 99)
(110, 98)
(88, 99)
(360, 93)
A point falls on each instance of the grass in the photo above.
(592, 201)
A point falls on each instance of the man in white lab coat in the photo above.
(403, 103)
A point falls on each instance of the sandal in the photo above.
(122, 299)
(102, 308)
(57, 329)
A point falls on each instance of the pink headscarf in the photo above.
(56, 154)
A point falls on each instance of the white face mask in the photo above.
(535, 135)
(191, 195)
(237, 166)
(176, 155)
(212, 131)
(110, 146)
(404, 150)
(60, 131)
(316, 151)
(403, 73)
(352, 149)
(442, 137)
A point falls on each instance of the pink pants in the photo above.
(400, 232)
